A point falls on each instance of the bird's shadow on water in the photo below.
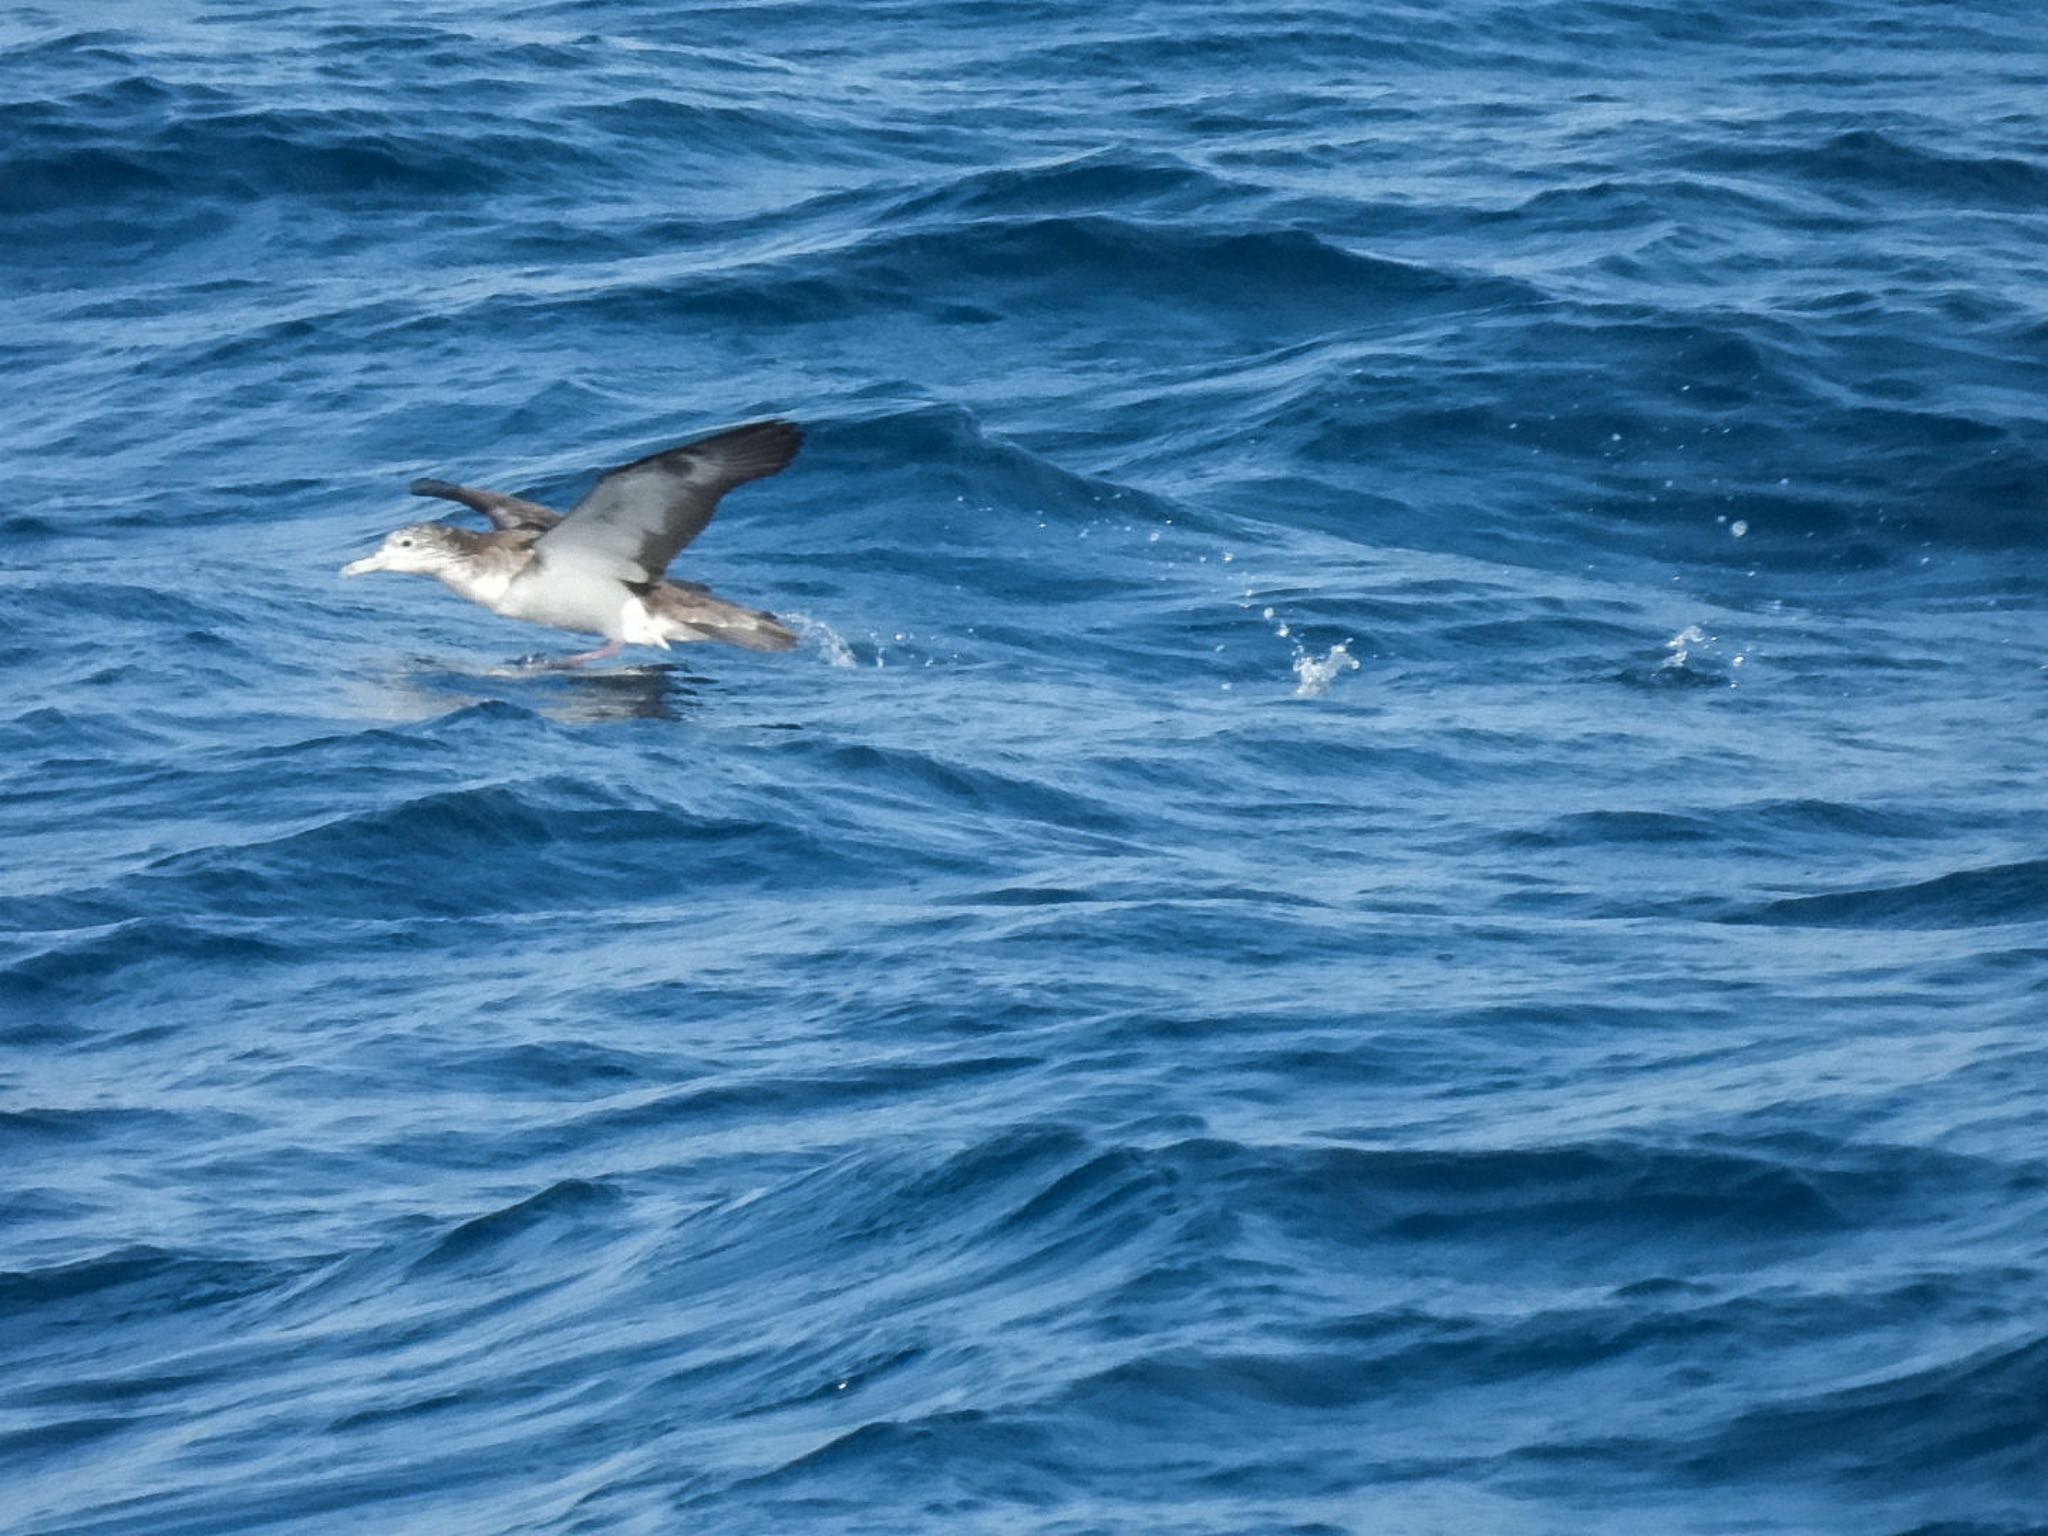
(659, 691)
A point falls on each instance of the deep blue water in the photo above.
(1401, 886)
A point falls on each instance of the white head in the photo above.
(428, 548)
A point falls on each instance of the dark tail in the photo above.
(759, 632)
(716, 619)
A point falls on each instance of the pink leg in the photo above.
(602, 653)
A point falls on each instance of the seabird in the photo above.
(599, 569)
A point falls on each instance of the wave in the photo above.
(142, 144)
(934, 467)
(1095, 183)
(1865, 160)
(1754, 434)
(1995, 895)
(984, 270)
(75, 959)
(1961, 1416)
(427, 856)
(1150, 1285)
(562, 1214)
(132, 1285)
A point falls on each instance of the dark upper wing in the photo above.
(503, 511)
(636, 518)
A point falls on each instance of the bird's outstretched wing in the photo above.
(637, 517)
(503, 511)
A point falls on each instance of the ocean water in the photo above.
(1400, 887)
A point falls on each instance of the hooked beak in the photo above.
(365, 565)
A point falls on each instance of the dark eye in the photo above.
(405, 543)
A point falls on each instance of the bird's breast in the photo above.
(566, 597)
(485, 585)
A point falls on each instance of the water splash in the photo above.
(1682, 645)
(1313, 675)
(1693, 659)
(830, 643)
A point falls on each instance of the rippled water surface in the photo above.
(1400, 886)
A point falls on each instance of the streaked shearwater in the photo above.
(599, 569)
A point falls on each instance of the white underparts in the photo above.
(484, 586)
(637, 626)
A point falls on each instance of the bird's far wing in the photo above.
(636, 518)
(503, 511)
